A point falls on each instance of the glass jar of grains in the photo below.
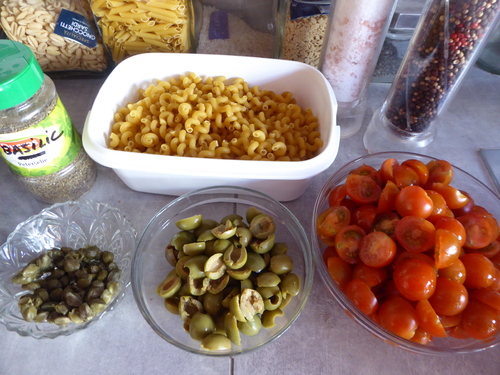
(37, 138)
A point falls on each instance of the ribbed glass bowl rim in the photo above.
(363, 320)
(137, 262)
(116, 300)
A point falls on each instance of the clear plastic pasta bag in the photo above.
(131, 27)
(61, 33)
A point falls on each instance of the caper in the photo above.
(262, 226)
(62, 320)
(53, 284)
(75, 317)
(31, 286)
(102, 275)
(71, 264)
(71, 298)
(86, 313)
(115, 275)
(43, 294)
(201, 325)
(215, 342)
(269, 317)
(98, 305)
(250, 327)
(106, 296)
(90, 253)
(281, 264)
(189, 223)
(107, 257)
(56, 294)
(41, 316)
(44, 262)
(29, 312)
(94, 292)
(113, 287)
(31, 271)
(62, 308)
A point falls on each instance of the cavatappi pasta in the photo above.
(130, 27)
(216, 118)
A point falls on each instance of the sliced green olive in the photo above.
(269, 317)
(217, 286)
(281, 264)
(244, 236)
(239, 274)
(194, 248)
(235, 257)
(199, 286)
(262, 226)
(290, 284)
(224, 231)
(188, 306)
(201, 325)
(215, 266)
(205, 236)
(212, 303)
(255, 262)
(251, 304)
(189, 223)
(181, 238)
(232, 218)
(172, 305)
(279, 248)
(246, 284)
(251, 213)
(206, 224)
(222, 245)
(215, 342)
(250, 328)
(169, 286)
(196, 266)
(235, 308)
(180, 268)
(263, 246)
(231, 328)
(268, 279)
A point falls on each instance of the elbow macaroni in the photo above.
(215, 118)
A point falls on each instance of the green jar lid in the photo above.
(20, 74)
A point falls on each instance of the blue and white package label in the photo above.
(75, 27)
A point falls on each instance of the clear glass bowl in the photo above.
(439, 346)
(72, 224)
(150, 266)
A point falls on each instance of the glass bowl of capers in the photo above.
(65, 268)
(222, 271)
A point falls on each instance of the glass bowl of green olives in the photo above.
(222, 271)
(65, 268)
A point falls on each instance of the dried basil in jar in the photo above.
(37, 138)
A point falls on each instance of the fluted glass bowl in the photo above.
(462, 180)
(70, 224)
(150, 266)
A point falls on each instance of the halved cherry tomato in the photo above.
(421, 337)
(458, 331)
(480, 321)
(449, 298)
(386, 222)
(446, 248)
(489, 297)
(362, 189)
(330, 251)
(420, 168)
(467, 208)
(439, 207)
(362, 296)
(455, 271)
(453, 225)
(428, 319)
(337, 194)
(409, 254)
(364, 215)
(340, 271)
(415, 234)
(367, 170)
(330, 221)
(387, 169)
(414, 278)
(488, 251)
(398, 316)
(372, 276)
(449, 321)
(377, 249)
(495, 286)
(387, 200)
(347, 242)
(439, 171)
(479, 271)
(453, 197)
(413, 200)
(405, 176)
(479, 229)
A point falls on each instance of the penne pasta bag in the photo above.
(61, 33)
(132, 27)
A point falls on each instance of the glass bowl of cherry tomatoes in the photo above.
(409, 247)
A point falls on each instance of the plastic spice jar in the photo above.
(37, 138)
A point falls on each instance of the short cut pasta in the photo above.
(216, 118)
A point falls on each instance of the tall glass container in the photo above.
(355, 34)
(446, 42)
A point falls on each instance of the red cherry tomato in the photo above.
(387, 201)
(439, 207)
(371, 276)
(330, 251)
(421, 337)
(415, 234)
(455, 271)
(405, 176)
(480, 230)
(446, 248)
(386, 223)
(409, 254)
(479, 271)
(453, 197)
(367, 170)
(337, 194)
(453, 225)
(449, 298)
(362, 189)
(480, 321)
(362, 296)
(467, 208)
(413, 200)
(387, 169)
(420, 168)
(364, 215)
(439, 171)
(340, 271)
(488, 251)
(428, 319)
(398, 316)
(489, 297)
(415, 279)
(347, 242)
(377, 249)
(330, 221)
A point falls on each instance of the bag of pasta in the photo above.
(61, 33)
(131, 27)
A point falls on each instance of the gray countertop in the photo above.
(323, 340)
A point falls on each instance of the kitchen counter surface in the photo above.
(323, 340)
